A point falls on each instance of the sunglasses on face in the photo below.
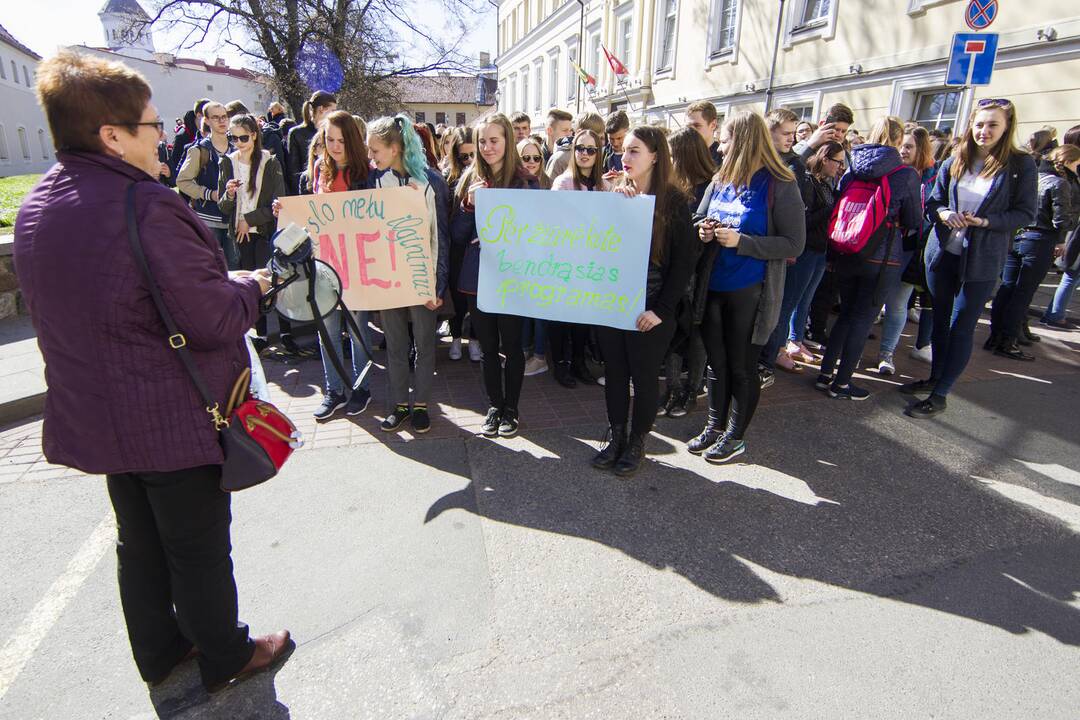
(585, 149)
(466, 157)
(237, 138)
(531, 158)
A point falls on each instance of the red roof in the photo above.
(190, 63)
(6, 37)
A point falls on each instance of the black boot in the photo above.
(631, 457)
(580, 371)
(992, 342)
(609, 454)
(1011, 349)
(1027, 337)
(563, 376)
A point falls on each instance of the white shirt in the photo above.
(971, 190)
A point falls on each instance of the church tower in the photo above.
(127, 27)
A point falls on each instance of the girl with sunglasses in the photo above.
(983, 193)
(585, 173)
(497, 166)
(532, 159)
(249, 180)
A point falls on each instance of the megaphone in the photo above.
(293, 300)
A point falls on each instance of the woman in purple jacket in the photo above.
(120, 402)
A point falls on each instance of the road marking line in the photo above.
(22, 644)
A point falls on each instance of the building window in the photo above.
(44, 145)
(421, 117)
(937, 109)
(810, 19)
(623, 46)
(459, 119)
(26, 75)
(3, 72)
(593, 57)
(572, 78)
(538, 91)
(511, 99)
(14, 73)
(553, 80)
(440, 118)
(667, 40)
(24, 143)
(524, 107)
(3, 144)
(805, 111)
(727, 13)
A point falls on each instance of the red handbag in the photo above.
(256, 438)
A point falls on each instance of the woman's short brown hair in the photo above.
(80, 93)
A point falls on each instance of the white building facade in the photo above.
(25, 142)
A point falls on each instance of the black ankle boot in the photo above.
(631, 457)
(563, 376)
(1011, 349)
(609, 454)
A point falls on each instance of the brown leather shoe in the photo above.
(268, 650)
(191, 655)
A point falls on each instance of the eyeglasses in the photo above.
(532, 158)
(466, 157)
(994, 102)
(217, 118)
(237, 138)
(587, 150)
(839, 163)
(159, 124)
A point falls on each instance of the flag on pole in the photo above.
(616, 65)
(589, 80)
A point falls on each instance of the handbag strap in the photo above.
(177, 341)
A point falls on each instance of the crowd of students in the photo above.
(744, 266)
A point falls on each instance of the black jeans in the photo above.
(500, 333)
(861, 297)
(728, 330)
(460, 299)
(1026, 266)
(632, 355)
(561, 334)
(176, 573)
(821, 306)
(254, 254)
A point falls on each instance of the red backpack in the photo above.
(858, 223)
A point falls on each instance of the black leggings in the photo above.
(727, 329)
(633, 355)
(558, 333)
(460, 299)
(500, 333)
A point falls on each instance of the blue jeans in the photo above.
(1063, 296)
(860, 301)
(228, 246)
(957, 308)
(334, 383)
(1026, 266)
(534, 335)
(800, 284)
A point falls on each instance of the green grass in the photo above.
(12, 191)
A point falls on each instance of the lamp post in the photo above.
(580, 58)
(775, 52)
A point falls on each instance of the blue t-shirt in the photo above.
(746, 210)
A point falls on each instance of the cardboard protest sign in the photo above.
(572, 256)
(378, 241)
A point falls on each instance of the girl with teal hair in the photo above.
(398, 155)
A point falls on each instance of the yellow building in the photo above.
(452, 100)
(877, 56)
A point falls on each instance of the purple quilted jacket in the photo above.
(118, 397)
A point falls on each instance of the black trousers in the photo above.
(727, 329)
(563, 334)
(631, 355)
(1026, 266)
(176, 573)
(500, 333)
(825, 297)
(460, 299)
(254, 254)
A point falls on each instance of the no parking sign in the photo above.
(980, 13)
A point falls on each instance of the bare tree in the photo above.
(355, 48)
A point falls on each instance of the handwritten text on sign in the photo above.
(378, 241)
(572, 256)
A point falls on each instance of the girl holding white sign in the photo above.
(585, 172)
(400, 160)
(497, 166)
(637, 354)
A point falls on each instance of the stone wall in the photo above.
(11, 303)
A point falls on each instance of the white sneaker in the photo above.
(925, 354)
(455, 349)
(885, 364)
(535, 365)
(475, 353)
(913, 315)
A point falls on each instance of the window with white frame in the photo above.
(624, 37)
(594, 52)
(666, 57)
(24, 143)
(524, 107)
(538, 92)
(726, 14)
(572, 79)
(813, 11)
(44, 144)
(937, 109)
(809, 20)
(553, 79)
(805, 111)
(3, 144)
(14, 73)
(3, 72)
(26, 75)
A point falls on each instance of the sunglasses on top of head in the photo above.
(994, 102)
(586, 149)
(237, 138)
